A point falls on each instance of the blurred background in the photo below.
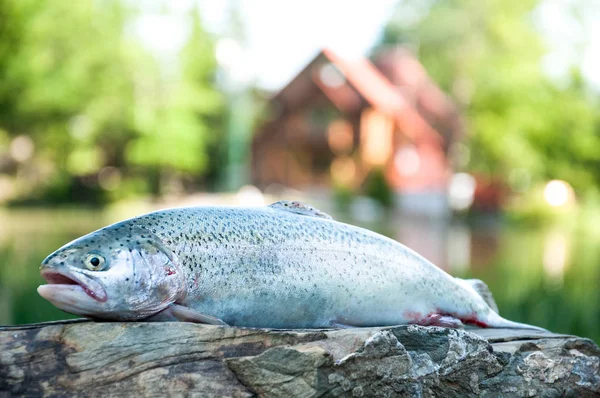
(467, 130)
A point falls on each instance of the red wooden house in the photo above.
(340, 119)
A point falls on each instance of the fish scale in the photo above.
(287, 265)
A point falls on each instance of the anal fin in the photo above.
(446, 321)
(180, 313)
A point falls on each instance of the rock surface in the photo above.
(158, 359)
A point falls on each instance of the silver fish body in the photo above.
(280, 266)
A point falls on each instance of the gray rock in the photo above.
(159, 359)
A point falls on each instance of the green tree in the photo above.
(185, 120)
(65, 82)
(77, 84)
(488, 55)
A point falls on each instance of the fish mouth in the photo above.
(63, 281)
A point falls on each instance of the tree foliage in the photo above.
(76, 82)
(488, 54)
(185, 114)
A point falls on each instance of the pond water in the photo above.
(547, 277)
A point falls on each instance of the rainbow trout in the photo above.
(286, 265)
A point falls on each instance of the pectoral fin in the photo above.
(180, 313)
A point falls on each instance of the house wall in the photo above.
(294, 151)
(409, 166)
(418, 167)
(297, 154)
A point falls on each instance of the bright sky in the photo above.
(572, 39)
(282, 36)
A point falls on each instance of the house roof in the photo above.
(361, 80)
(408, 75)
(378, 91)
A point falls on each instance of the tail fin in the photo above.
(496, 321)
(483, 290)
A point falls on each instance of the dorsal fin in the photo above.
(484, 291)
(299, 208)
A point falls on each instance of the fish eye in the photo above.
(95, 262)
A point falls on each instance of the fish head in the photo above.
(121, 272)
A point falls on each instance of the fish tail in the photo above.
(496, 321)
